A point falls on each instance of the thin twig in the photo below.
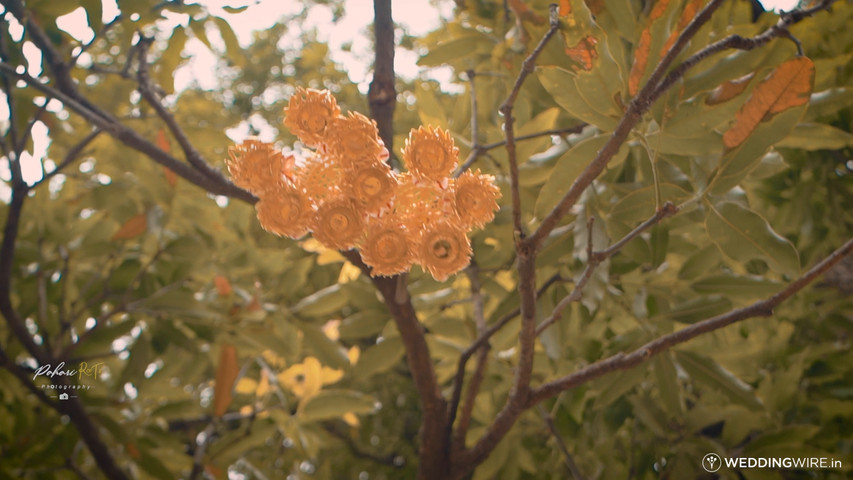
(623, 361)
(479, 150)
(147, 89)
(639, 105)
(555, 434)
(134, 140)
(458, 437)
(594, 259)
(70, 157)
(202, 440)
(527, 67)
(780, 29)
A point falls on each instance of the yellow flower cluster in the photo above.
(348, 197)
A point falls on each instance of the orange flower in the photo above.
(321, 178)
(420, 202)
(285, 212)
(386, 247)
(309, 113)
(256, 166)
(338, 223)
(443, 250)
(476, 199)
(371, 187)
(430, 153)
(354, 137)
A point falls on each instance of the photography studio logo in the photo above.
(711, 462)
(66, 390)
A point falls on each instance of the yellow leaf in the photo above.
(303, 379)
(331, 375)
(134, 226)
(353, 353)
(690, 11)
(226, 373)
(789, 85)
(351, 419)
(349, 272)
(246, 386)
(331, 329)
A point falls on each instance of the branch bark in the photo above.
(623, 361)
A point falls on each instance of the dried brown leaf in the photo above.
(788, 86)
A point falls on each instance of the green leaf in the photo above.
(99, 340)
(94, 12)
(567, 169)
(430, 110)
(701, 262)
(455, 48)
(640, 204)
(232, 46)
(743, 235)
(153, 466)
(542, 122)
(379, 358)
(733, 285)
(708, 372)
(232, 10)
(328, 404)
(200, 33)
(323, 302)
(666, 377)
(817, 136)
(737, 163)
(699, 308)
(327, 351)
(562, 85)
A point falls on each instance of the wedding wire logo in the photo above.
(83, 370)
(712, 462)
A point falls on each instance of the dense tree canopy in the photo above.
(665, 278)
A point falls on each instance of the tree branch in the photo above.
(527, 67)
(622, 361)
(382, 93)
(594, 259)
(780, 29)
(458, 437)
(555, 434)
(434, 444)
(147, 90)
(135, 141)
(638, 106)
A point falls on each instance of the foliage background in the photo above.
(181, 295)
